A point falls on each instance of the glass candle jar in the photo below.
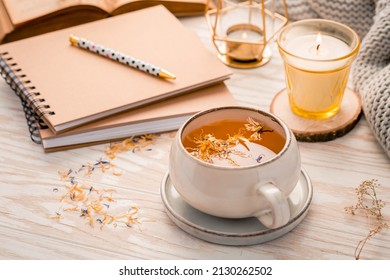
(317, 57)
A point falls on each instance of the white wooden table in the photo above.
(30, 188)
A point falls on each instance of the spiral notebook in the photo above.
(66, 86)
(164, 116)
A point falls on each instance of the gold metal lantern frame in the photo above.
(242, 30)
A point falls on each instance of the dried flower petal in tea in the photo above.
(233, 143)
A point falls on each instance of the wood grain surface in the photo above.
(30, 189)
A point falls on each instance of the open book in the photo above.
(25, 18)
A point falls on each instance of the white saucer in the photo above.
(248, 231)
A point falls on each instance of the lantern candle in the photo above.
(242, 29)
(317, 56)
(244, 42)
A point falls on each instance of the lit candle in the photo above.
(317, 47)
(245, 34)
(244, 42)
(317, 56)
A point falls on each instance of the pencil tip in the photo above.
(73, 39)
(166, 75)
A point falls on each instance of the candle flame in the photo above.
(318, 40)
(244, 35)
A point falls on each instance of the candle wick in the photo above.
(318, 47)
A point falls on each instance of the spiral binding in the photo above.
(34, 106)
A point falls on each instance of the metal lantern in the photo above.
(242, 30)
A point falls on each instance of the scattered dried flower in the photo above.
(133, 144)
(93, 204)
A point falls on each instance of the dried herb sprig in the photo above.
(368, 203)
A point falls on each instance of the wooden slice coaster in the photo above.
(308, 130)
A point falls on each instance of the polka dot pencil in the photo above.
(120, 57)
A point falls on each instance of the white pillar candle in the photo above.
(315, 47)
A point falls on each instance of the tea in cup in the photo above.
(236, 162)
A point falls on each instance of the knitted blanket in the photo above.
(371, 69)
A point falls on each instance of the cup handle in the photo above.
(279, 213)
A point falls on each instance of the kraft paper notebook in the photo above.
(160, 117)
(67, 86)
(25, 18)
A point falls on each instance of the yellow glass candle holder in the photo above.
(317, 57)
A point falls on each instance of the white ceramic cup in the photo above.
(260, 190)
